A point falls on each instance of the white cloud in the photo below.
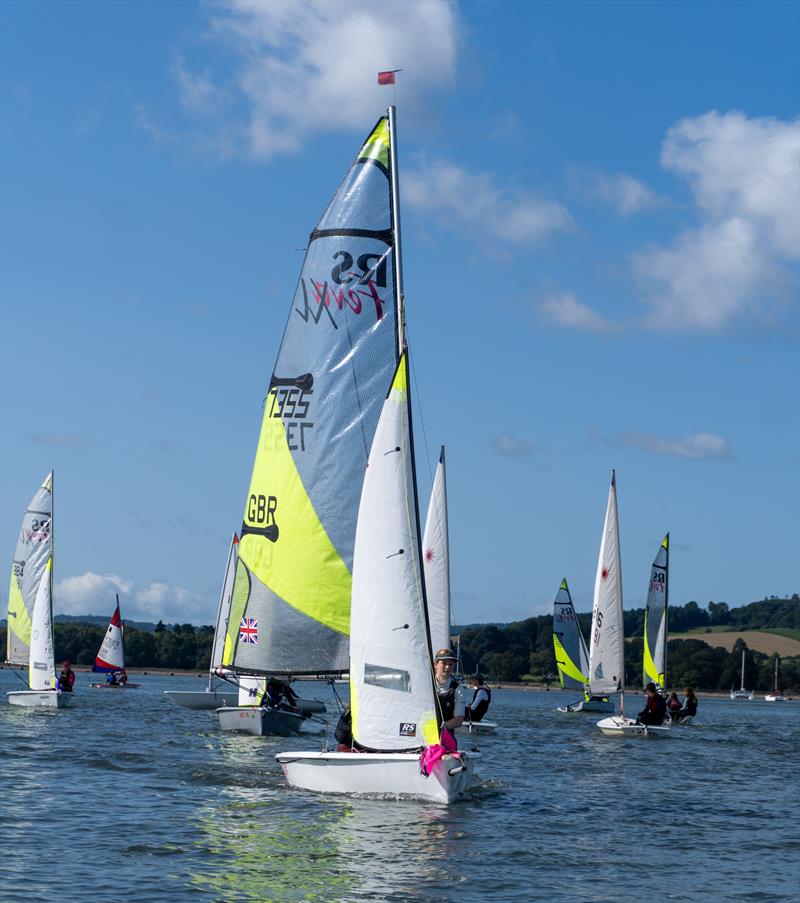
(566, 310)
(699, 446)
(626, 194)
(60, 440)
(92, 593)
(307, 67)
(511, 445)
(744, 175)
(472, 202)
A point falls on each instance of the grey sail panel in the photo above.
(572, 657)
(655, 618)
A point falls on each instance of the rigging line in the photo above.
(419, 406)
(14, 671)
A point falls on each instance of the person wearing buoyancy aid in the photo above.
(655, 708)
(481, 700)
(450, 691)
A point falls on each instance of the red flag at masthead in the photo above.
(387, 78)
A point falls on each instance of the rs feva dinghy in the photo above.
(607, 641)
(29, 633)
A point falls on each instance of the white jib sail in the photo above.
(251, 689)
(436, 559)
(224, 610)
(607, 643)
(41, 670)
(391, 679)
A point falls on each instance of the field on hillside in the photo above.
(760, 640)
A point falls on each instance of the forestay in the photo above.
(111, 656)
(572, 656)
(606, 649)
(31, 560)
(655, 618)
(436, 560)
(42, 671)
(291, 600)
(392, 696)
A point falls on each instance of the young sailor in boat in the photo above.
(111, 680)
(279, 695)
(451, 693)
(481, 700)
(673, 706)
(66, 680)
(655, 708)
(689, 709)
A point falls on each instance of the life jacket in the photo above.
(66, 681)
(447, 700)
(344, 729)
(476, 712)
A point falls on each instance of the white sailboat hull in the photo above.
(46, 699)
(478, 728)
(772, 697)
(259, 721)
(382, 774)
(202, 699)
(619, 726)
(742, 694)
(595, 706)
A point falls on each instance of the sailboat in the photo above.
(436, 563)
(775, 695)
(30, 606)
(741, 693)
(572, 656)
(607, 641)
(290, 611)
(395, 709)
(212, 697)
(654, 661)
(111, 657)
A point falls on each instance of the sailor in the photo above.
(655, 708)
(111, 680)
(66, 680)
(481, 700)
(279, 695)
(451, 693)
(689, 709)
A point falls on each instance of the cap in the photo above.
(444, 655)
(651, 686)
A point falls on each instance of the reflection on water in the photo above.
(131, 786)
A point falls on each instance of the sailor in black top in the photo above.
(481, 700)
(451, 693)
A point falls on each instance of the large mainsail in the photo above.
(607, 643)
(291, 599)
(572, 657)
(392, 696)
(655, 618)
(436, 557)
(31, 565)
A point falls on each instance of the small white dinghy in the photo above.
(29, 633)
(110, 659)
(212, 697)
(607, 641)
(250, 717)
(775, 695)
(741, 693)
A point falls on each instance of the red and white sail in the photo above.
(111, 656)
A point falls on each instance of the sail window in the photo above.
(388, 678)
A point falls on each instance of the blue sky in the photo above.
(601, 215)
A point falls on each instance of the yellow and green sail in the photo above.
(572, 657)
(34, 550)
(655, 618)
(291, 600)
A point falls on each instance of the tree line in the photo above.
(524, 649)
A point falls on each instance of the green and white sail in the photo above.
(392, 697)
(291, 599)
(32, 565)
(572, 656)
(41, 669)
(436, 558)
(224, 607)
(607, 641)
(655, 618)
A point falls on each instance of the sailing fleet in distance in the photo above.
(334, 560)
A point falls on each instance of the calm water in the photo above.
(128, 797)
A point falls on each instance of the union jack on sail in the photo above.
(248, 630)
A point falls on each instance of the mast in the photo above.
(666, 612)
(398, 254)
(742, 670)
(121, 634)
(621, 607)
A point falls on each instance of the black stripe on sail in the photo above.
(384, 235)
(304, 382)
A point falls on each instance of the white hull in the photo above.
(772, 697)
(618, 726)
(382, 774)
(259, 721)
(44, 699)
(741, 694)
(202, 699)
(479, 728)
(105, 686)
(595, 706)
